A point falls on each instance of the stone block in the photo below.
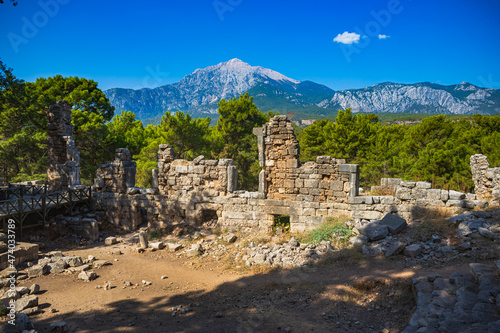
(408, 184)
(454, 195)
(374, 231)
(423, 185)
(394, 248)
(311, 183)
(394, 223)
(350, 168)
(413, 250)
(403, 193)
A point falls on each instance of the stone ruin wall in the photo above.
(284, 177)
(188, 193)
(486, 179)
(63, 169)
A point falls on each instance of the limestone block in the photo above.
(394, 223)
(454, 195)
(374, 231)
(423, 185)
(403, 193)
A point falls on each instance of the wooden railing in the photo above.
(25, 200)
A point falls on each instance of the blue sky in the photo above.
(136, 44)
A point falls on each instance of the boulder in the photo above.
(174, 247)
(374, 231)
(87, 276)
(34, 289)
(38, 270)
(413, 250)
(110, 240)
(454, 195)
(394, 223)
(100, 263)
(230, 238)
(486, 233)
(26, 302)
(157, 245)
(22, 324)
(358, 241)
(394, 249)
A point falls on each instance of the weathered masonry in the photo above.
(486, 179)
(63, 158)
(187, 193)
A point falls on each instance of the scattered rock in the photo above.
(486, 233)
(75, 261)
(174, 247)
(26, 302)
(59, 327)
(413, 250)
(394, 223)
(110, 241)
(230, 238)
(358, 241)
(157, 245)
(293, 242)
(146, 283)
(34, 289)
(100, 263)
(374, 231)
(395, 249)
(464, 247)
(38, 270)
(22, 324)
(195, 250)
(87, 276)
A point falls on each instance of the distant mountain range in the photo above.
(199, 92)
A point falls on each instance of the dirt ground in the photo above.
(200, 295)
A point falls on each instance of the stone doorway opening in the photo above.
(209, 217)
(281, 224)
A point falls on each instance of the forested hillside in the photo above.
(437, 149)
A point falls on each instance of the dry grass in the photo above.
(384, 191)
(424, 230)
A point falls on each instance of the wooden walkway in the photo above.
(28, 202)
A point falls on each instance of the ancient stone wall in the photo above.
(410, 200)
(187, 193)
(114, 181)
(118, 175)
(181, 177)
(63, 158)
(284, 177)
(486, 179)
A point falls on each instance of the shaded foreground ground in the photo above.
(344, 296)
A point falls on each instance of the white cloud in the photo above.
(347, 38)
(383, 36)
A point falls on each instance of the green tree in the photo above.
(234, 129)
(127, 132)
(186, 135)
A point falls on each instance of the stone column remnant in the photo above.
(486, 179)
(63, 169)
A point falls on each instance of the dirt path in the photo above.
(366, 296)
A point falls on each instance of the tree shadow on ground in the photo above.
(337, 296)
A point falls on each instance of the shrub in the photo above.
(335, 230)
